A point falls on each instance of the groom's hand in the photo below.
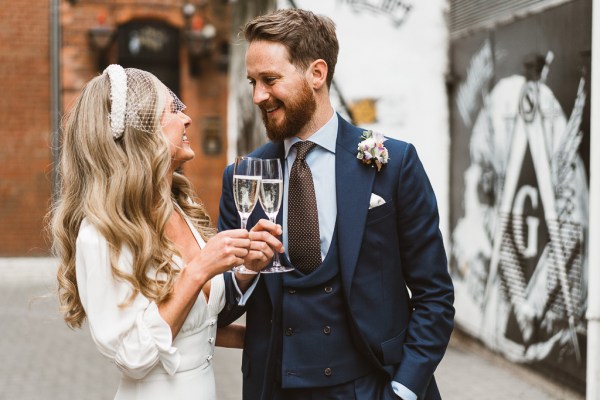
(264, 241)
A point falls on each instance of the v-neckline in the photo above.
(199, 241)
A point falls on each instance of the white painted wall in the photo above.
(404, 68)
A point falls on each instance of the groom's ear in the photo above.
(317, 72)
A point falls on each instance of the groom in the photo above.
(367, 313)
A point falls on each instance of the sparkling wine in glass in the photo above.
(246, 186)
(271, 190)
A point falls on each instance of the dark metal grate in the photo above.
(466, 15)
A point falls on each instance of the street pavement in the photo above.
(42, 359)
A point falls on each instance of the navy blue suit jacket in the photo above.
(383, 251)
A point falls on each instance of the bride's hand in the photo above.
(222, 252)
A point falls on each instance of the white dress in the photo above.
(136, 337)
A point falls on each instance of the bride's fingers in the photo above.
(240, 243)
(240, 252)
(227, 243)
(235, 233)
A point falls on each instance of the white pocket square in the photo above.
(375, 201)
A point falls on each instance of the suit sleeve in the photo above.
(425, 268)
(229, 219)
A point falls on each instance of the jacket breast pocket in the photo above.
(392, 349)
(383, 211)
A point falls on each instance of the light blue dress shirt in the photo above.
(321, 161)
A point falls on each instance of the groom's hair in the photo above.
(307, 36)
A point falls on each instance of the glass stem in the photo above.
(244, 222)
(276, 262)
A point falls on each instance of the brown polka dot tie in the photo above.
(304, 244)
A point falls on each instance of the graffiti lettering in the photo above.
(397, 10)
(479, 72)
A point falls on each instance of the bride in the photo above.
(137, 255)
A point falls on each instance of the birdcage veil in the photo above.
(135, 96)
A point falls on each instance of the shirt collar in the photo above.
(325, 137)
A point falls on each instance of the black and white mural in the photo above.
(519, 201)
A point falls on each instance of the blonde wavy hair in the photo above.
(121, 188)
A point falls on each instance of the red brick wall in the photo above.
(25, 124)
(25, 155)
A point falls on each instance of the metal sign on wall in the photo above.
(153, 46)
(519, 197)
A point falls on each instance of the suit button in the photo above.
(327, 330)
(328, 289)
(289, 331)
(291, 291)
(327, 372)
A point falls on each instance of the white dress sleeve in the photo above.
(135, 336)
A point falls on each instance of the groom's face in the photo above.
(280, 90)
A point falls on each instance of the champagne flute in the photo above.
(246, 185)
(271, 190)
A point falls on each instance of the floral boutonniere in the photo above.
(371, 150)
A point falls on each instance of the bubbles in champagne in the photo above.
(270, 195)
(245, 192)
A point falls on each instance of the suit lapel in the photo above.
(354, 183)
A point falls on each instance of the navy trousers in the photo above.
(374, 386)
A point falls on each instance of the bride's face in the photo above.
(174, 127)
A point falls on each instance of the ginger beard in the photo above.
(298, 112)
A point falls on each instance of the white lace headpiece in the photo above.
(134, 97)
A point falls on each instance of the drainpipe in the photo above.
(593, 311)
(55, 92)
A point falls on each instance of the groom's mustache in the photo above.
(270, 106)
